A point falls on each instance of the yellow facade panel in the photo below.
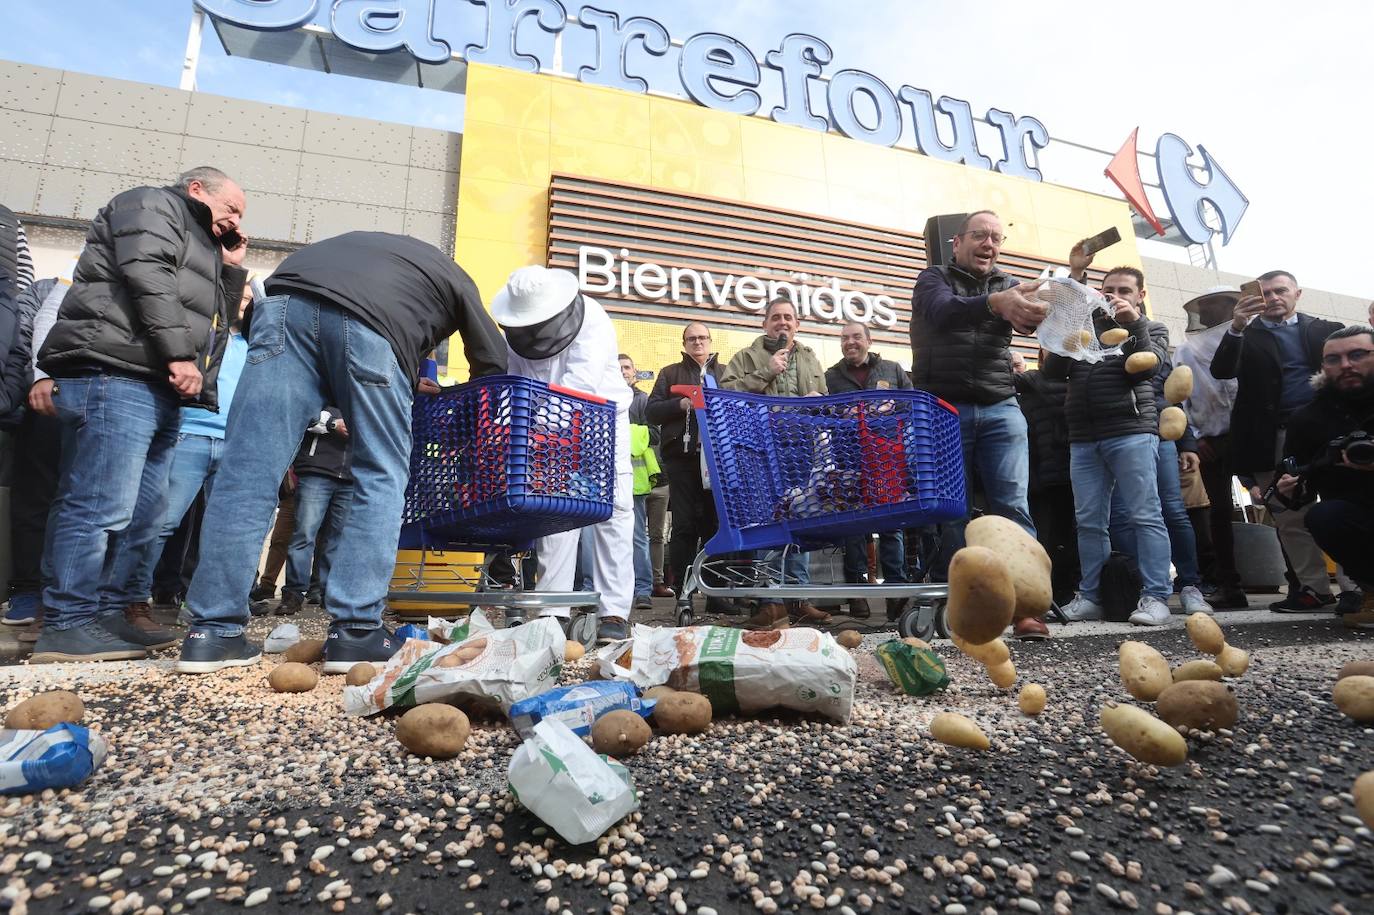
(683, 130)
(690, 175)
(613, 161)
(786, 191)
(501, 153)
(771, 147)
(508, 97)
(501, 211)
(853, 163)
(600, 114)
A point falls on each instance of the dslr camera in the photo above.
(1357, 447)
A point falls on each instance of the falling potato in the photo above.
(982, 598)
(1025, 559)
(989, 654)
(1114, 336)
(1144, 671)
(1173, 422)
(1202, 705)
(1233, 661)
(1205, 633)
(1356, 669)
(40, 712)
(1354, 696)
(958, 731)
(1002, 675)
(1031, 700)
(1363, 792)
(620, 733)
(1144, 361)
(1143, 735)
(1197, 670)
(1178, 387)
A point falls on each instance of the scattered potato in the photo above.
(1143, 361)
(1197, 670)
(989, 654)
(1364, 798)
(849, 638)
(1354, 696)
(306, 651)
(1143, 735)
(360, 674)
(1114, 336)
(1144, 671)
(1356, 669)
(982, 597)
(1002, 675)
(1205, 633)
(1031, 700)
(1202, 705)
(434, 729)
(1025, 559)
(958, 731)
(573, 651)
(1173, 422)
(683, 713)
(1233, 661)
(620, 733)
(293, 677)
(1178, 387)
(658, 692)
(916, 643)
(40, 712)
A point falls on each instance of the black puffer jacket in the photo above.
(1105, 401)
(882, 373)
(1047, 426)
(959, 349)
(324, 452)
(16, 371)
(151, 287)
(677, 430)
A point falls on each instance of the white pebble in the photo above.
(198, 895)
(1027, 905)
(110, 874)
(99, 902)
(324, 851)
(257, 897)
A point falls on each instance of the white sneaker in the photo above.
(1080, 609)
(1151, 611)
(1193, 602)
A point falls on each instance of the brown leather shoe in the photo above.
(803, 613)
(145, 630)
(859, 609)
(772, 615)
(1030, 629)
(140, 615)
(662, 590)
(30, 633)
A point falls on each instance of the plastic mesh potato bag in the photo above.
(1068, 328)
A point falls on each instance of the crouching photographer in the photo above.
(1329, 453)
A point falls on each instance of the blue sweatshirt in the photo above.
(194, 420)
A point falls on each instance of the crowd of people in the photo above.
(166, 407)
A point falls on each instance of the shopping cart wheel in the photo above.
(685, 613)
(922, 621)
(583, 629)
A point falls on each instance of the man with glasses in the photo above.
(1325, 435)
(1272, 351)
(962, 318)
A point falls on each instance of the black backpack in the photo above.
(1118, 590)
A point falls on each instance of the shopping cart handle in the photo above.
(693, 393)
(573, 392)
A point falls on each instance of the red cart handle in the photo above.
(693, 393)
(576, 393)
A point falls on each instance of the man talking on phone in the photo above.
(1272, 351)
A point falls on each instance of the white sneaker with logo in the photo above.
(1080, 609)
(1151, 611)
(1193, 601)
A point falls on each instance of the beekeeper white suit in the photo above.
(556, 335)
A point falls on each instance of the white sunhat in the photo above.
(533, 294)
(1229, 294)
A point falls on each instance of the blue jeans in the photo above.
(997, 458)
(1127, 463)
(891, 557)
(194, 463)
(121, 432)
(644, 569)
(304, 353)
(320, 502)
(796, 568)
(1182, 542)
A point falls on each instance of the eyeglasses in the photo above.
(981, 235)
(1355, 357)
(697, 339)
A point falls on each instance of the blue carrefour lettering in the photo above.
(1185, 194)
(613, 45)
(799, 59)
(501, 48)
(964, 147)
(709, 57)
(844, 86)
(389, 25)
(1015, 131)
(268, 15)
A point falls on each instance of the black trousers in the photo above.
(1052, 510)
(694, 514)
(1345, 531)
(1216, 476)
(37, 453)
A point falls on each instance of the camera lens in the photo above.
(1360, 452)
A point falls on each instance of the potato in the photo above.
(1178, 387)
(1144, 671)
(1202, 705)
(1073, 343)
(1142, 361)
(958, 731)
(465, 653)
(1205, 633)
(40, 712)
(1025, 559)
(293, 677)
(1233, 661)
(1002, 675)
(573, 651)
(1197, 670)
(434, 729)
(1173, 422)
(916, 643)
(683, 713)
(658, 692)
(360, 674)
(1114, 336)
(306, 651)
(620, 733)
(1143, 735)
(982, 598)
(849, 638)
(1364, 797)
(1356, 669)
(1031, 701)
(1354, 696)
(1085, 338)
(989, 654)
